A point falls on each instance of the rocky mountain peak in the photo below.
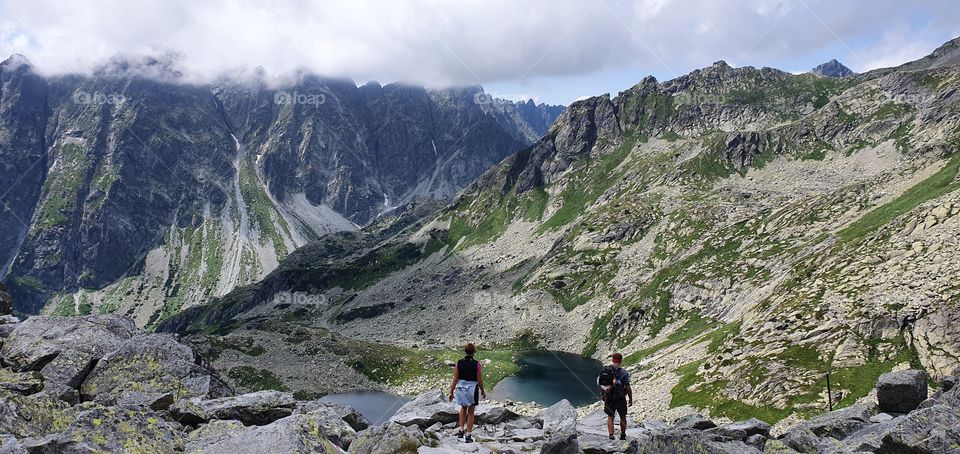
(832, 68)
(16, 61)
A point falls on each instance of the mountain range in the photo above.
(739, 233)
(129, 190)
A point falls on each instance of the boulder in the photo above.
(10, 445)
(694, 421)
(349, 415)
(924, 431)
(678, 441)
(948, 383)
(841, 423)
(561, 444)
(253, 409)
(425, 410)
(800, 439)
(600, 444)
(153, 363)
(870, 437)
(25, 383)
(559, 418)
(31, 416)
(489, 414)
(901, 392)
(740, 430)
(295, 433)
(64, 349)
(112, 429)
(389, 438)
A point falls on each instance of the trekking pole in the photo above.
(829, 393)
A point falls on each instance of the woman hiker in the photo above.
(466, 389)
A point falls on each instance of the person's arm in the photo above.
(456, 377)
(626, 384)
(483, 393)
(630, 395)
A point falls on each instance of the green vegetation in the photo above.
(62, 187)
(255, 379)
(261, 208)
(694, 326)
(586, 184)
(938, 184)
(395, 365)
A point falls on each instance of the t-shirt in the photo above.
(468, 369)
(623, 377)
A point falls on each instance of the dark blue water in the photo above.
(548, 377)
(544, 378)
(376, 406)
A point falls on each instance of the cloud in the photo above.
(439, 42)
(897, 46)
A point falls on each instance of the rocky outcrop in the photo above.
(64, 350)
(901, 392)
(128, 397)
(151, 365)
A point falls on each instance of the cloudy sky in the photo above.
(551, 50)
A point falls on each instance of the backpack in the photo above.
(609, 385)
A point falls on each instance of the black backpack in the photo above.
(609, 385)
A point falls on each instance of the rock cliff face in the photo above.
(737, 232)
(129, 191)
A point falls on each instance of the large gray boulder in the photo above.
(389, 438)
(677, 441)
(841, 423)
(929, 430)
(64, 349)
(253, 409)
(295, 433)
(694, 421)
(31, 416)
(153, 363)
(741, 430)
(426, 410)
(562, 444)
(901, 392)
(25, 383)
(348, 414)
(559, 418)
(112, 429)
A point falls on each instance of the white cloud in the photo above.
(897, 46)
(440, 42)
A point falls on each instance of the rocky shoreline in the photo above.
(99, 384)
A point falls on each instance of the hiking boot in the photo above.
(468, 439)
(460, 433)
(610, 436)
(622, 436)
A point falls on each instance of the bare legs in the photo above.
(467, 415)
(623, 425)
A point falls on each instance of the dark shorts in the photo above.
(612, 407)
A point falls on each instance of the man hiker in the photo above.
(614, 382)
(466, 389)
